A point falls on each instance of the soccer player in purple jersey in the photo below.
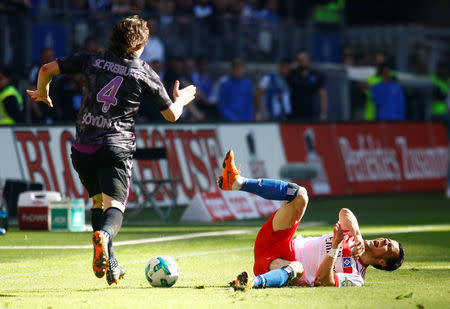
(105, 140)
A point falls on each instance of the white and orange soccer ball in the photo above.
(162, 271)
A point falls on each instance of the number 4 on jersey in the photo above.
(107, 95)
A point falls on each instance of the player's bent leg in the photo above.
(282, 273)
(291, 212)
(97, 212)
(99, 239)
(112, 222)
(296, 266)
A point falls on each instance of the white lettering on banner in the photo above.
(194, 154)
(369, 163)
(240, 204)
(96, 121)
(34, 218)
(217, 207)
(265, 207)
(228, 205)
(422, 163)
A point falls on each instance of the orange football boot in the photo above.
(100, 261)
(229, 173)
(242, 282)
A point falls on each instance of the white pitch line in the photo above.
(195, 254)
(143, 241)
(412, 229)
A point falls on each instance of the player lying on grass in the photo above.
(338, 260)
(116, 80)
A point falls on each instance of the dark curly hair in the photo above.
(393, 263)
(127, 34)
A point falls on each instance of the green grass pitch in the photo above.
(62, 278)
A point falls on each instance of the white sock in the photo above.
(237, 184)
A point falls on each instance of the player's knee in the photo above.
(302, 197)
(97, 201)
(109, 202)
(297, 267)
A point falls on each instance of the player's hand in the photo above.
(38, 97)
(358, 248)
(185, 95)
(338, 236)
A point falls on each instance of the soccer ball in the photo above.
(162, 271)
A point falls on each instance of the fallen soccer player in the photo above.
(339, 259)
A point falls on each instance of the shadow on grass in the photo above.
(7, 295)
(197, 287)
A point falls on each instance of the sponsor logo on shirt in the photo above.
(346, 282)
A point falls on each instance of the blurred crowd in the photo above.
(249, 11)
(294, 91)
(291, 92)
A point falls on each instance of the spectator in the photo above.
(121, 7)
(67, 96)
(186, 79)
(99, 5)
(268, 16)
(91, 45)
(202, 80)
(78, 4)
(203, 9)
(388, 96)
(370, 107)
(235, 94)
(154, 49)
(348, 59)
(166, 10)
(184, 7)
(307, 87)
(41, 112)
(273, 93)
(269, 20)
(228, 9)
(47, 55)
(15, 5)
(441, 82)
(250, 12)
(174, 72)
(158, 67)
(128, 7)
(11, 102)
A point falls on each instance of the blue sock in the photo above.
(270, 189)
(273, 279)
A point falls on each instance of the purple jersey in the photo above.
(112, 94)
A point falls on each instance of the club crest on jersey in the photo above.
(347, 262)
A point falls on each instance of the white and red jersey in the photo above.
(310, 251)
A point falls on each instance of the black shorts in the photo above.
(108, 171)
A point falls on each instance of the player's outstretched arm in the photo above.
(350, 223)
(182, 97)
(325, 273)
(45, 76)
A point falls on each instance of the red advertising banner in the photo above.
(216, 206)
(221, 205)
(370, 157)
